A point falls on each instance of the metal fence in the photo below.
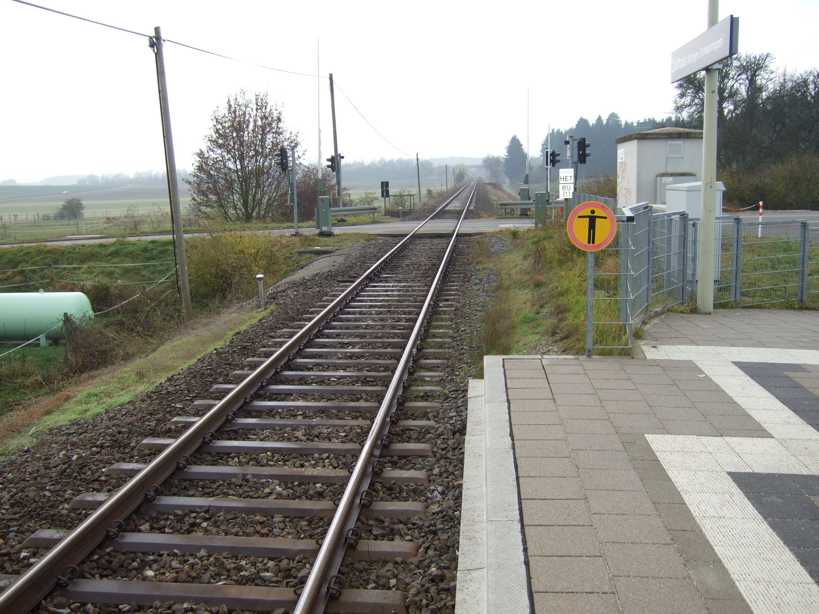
(649, 269)
(768, 262)
(652, 267)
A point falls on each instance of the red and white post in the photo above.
(759, 209)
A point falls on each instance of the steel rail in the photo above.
(57, 564)
(318, 588)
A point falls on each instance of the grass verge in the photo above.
(222, 271)
(103, 390)
(539, 303)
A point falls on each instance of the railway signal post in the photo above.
(336, 158)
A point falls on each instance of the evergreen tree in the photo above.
(514, 164)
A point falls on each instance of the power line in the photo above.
(217, 54)
(370, 124)
(86, 19)
(234, 59)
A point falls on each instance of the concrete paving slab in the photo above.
(669, 484)
(600, 518)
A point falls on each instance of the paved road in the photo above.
(475, 226)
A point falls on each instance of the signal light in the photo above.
(583, 147)
(283, 159)
(554, 158)
(332, 163)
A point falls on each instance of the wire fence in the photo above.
(146, 287)
(763, 263)
(652, 267)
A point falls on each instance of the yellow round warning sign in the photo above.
(591, 226)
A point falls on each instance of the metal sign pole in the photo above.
(548, 162)
(706, 268)
(295, 180)
(589, 303)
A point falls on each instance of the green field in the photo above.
(135, 314)
(28, 201)
(25, 213)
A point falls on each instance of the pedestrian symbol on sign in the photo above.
(591, 226)
(592, 217)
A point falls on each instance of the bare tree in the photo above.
(236, 175)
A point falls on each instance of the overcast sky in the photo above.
(442, 78)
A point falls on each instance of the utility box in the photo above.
(688, 197)
(651, 161)
(324, 221)
(541, 202)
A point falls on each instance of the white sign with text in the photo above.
(566, 183)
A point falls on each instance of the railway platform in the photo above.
(686, 481)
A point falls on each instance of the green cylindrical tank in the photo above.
(25, 315)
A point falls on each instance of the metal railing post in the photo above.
(622, 281)
(650, 257)
(684, 257)
(668, 243)
(737, 289)
(804, 250)
(589, 303)
(629, 290)
(695, 237)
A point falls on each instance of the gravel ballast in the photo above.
(70, 460)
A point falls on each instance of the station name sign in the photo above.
(715, 44)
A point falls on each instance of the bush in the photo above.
(792, 183)
(601, 186)
(71, 209)
(89, 346)
(224, 266)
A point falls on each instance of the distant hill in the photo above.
(455, 160)
(61, 180)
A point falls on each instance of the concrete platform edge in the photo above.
(491, 564)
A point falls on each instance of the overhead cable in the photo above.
(86, 19)
(217, 54)
(370, 124)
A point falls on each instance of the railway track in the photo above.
(316, 437)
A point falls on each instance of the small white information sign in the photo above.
(566, 183)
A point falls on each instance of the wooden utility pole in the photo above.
(318, 105)
(335, 143)
(173, 185)
(418, 176)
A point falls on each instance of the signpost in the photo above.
(566, 183)
(718, 42)
(591, 227)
